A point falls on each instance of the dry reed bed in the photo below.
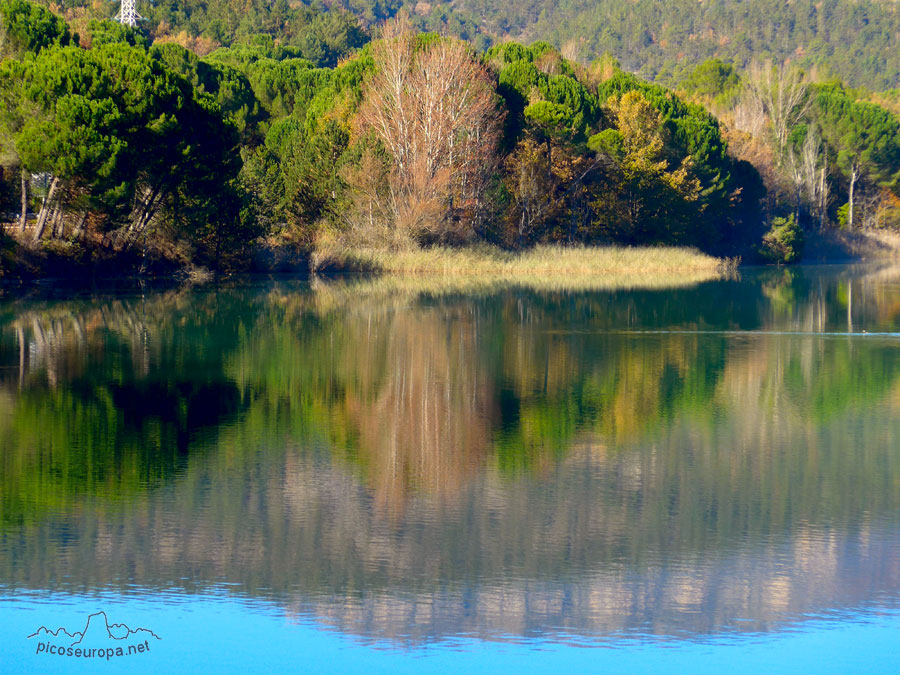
(405, 275)
(545, 262)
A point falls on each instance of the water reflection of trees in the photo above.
(421, 392)
(535, 446)
(93, 405)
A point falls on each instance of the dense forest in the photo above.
(228, 137)
(856, 40)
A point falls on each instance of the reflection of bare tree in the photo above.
(422, 402)
(60, 341)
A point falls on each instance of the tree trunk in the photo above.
(854, 174)
(137, 227)
(23, 214)
(522, 226)
(58, 223)
(51, 219)
(822, 206)
(549, 160)
(78, 233)
(45, 210)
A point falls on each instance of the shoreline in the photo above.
(546, 266)
(464, 267)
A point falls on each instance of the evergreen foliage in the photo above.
(783, 243)
(857, 40)
(27, 27)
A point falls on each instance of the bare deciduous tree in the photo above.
(571, 50)
(434, 109)
(814, 171)
(749, 115)
(781, 93)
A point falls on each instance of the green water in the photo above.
(419, 466)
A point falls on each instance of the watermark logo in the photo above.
(99, 639)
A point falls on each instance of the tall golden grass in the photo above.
(547, 261)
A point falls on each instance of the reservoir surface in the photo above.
(281, 476)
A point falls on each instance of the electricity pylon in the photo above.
(128, 14)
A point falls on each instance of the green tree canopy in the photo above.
(713, 81)
(124, 128)
(108, 31)
(864, 137)
(26, 27)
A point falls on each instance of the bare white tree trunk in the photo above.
(58, 223)
(823, 193)
(46, 208)
(23, 213)
(781, 93)
(813, 176)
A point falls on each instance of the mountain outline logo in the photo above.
(113, 631)
(99, 638)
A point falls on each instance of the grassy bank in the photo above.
(545, 262)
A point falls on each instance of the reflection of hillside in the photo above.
(744, 591)
(685, 533)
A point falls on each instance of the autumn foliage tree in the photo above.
(648, 198)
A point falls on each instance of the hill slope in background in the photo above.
(856, 39)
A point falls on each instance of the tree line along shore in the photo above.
(332, 145)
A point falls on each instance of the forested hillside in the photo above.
(859, 40)
(856, 40)
(322, 30)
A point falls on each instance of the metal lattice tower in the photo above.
(128, 14)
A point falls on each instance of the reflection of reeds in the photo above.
(332, 294)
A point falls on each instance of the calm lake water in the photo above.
(373, 478)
